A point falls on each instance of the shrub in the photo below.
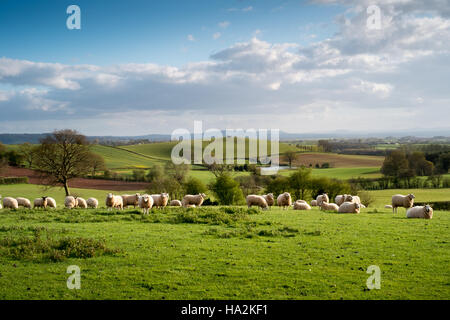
(227, 190)
(194, 186)
(13, 180)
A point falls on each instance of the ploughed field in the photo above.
(223, 253)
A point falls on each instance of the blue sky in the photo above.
(139, 67)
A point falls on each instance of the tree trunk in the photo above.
(66, 188)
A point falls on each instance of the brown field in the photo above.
(82, 183)
(337, 160)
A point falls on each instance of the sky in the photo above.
(138, 67)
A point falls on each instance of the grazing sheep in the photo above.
(175, 203)
(51, 202)
(322, 198)
(130, 200)
(349, 207)
(255, 200)
(301, 205)
(421, 212)
(270, 199)
(81, 203)
(329, 207)
(399, 200)
(160, 200)
(70, 202)
(145, 202)
(313, 203)
(92, 203)
(10, 203)
(113, 201)
(196, 200)
(24, 202)
(284, 200)
(388, 206)
(40, 203)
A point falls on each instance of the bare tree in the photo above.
(63, 155)
(219, 169)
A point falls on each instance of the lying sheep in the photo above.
(130, 200)
(113, 201)
(92, 203)
(255, 200)
(80, 203)
(421, 212)
(301, 205)
(284, 200)
(313, 203)
(322, 198)
(349, 207)
(10, 203)
(175, 203)
(160, 200)
(40, 203)
(70, 202)
(399, 200)
(270, 199)
(196, 200)
(51, 202)
(24, 202)
(329, 207)
(145, 202)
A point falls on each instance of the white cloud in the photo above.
(190, 37)
(217, 35)
(224, 24)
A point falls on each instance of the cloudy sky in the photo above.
(138, 67)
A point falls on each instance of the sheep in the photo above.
(399, 200)
(422, 212)
(340, 199)
(301, 205)
(145, 202)
(24, 202)
(81, 203)
(255, 200)
(269, 199)
(10, 203)
(92, 203)
(349, 207)
(284, 200)
(190, 206)
(130, 200)
(175, 203)
(160, 200)
(0, 202)
(313, 203)
(197, 199)
(388, 206)
(113, 201)
(51, 202)
(40, 203)
(329, 207)
(322, 198)
(70, 202)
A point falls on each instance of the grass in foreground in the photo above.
(232, 253)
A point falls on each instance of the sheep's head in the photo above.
(349, 198)
(270, 196)
(357, 206)
(203, 195)
(427, 209)
(287, 195)
(110, 195)
(411, 196)
(145, 198)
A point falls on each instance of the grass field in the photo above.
(219, 253)
(383, 197)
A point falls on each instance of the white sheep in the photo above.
(51, 202)
(388, 206)
(70, 202)
(130, 200)
(196, 200)
(301, 205)
(113, 201)
(270, 199)
(399, 200)
(421, 212)
(349, 207)
(0, 202)
(10, 203)
(256, 200)
(145, 202)
(40, 202)
(24, 202)
(284, 200)
(322, 198)
(92, 203)
(81, 203)
(329, 207)
(313, 203)
(175, 203)
(160, 200)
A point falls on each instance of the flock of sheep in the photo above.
(343, 203)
